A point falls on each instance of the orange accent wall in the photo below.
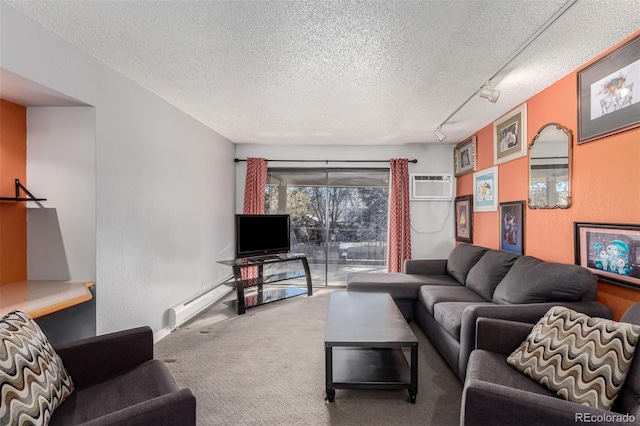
(13, 216)
(605, 186)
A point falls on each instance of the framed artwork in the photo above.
(512, 226)
(464, 156)
(510, 136)
(611, 251)
(609, 93)
(485, 190)
(464, 219)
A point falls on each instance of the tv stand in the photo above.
(249, 272)
(263, 258)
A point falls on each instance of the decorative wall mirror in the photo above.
(550, 168)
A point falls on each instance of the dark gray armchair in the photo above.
(118, 382)
(495, 393)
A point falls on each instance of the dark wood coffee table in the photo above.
(363, 345)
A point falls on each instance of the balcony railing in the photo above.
(369, 253)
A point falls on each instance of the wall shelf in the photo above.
(21, 199)
(19, 186)
(42, 297)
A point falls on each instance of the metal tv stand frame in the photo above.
(258, 279)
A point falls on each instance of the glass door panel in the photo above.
(338, 218)
(302, 194)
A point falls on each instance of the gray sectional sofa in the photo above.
(446, 296)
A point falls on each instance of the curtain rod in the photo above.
(237, 160)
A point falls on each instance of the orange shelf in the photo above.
(38, 298)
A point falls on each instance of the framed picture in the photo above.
(512, 226)
(510, 136)
(609, 93)
(485, 190)
(612, 251)
(464, 219)
(464, 156)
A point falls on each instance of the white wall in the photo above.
(164, 187)
(61, 151)
(433, 222)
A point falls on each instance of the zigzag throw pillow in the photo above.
(33, 381)
(582, 359)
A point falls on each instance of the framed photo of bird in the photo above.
(609, 93)
(485, 190)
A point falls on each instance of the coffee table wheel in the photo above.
(412, 398)
(331, 395)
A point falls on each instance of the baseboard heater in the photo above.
(186, 310)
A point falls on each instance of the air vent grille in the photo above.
(431, 186)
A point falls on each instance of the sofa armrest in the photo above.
(529, 313)
(100, 358)
(500, 336)
(425, 266)
(174, 409)
(486, 403)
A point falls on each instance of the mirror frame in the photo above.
(569, 135)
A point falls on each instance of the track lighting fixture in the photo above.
(493, 94)
(490, 94)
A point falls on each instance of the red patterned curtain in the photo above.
(399, 246)
(254, 186)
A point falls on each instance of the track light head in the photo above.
(491, 95)
(439, 134)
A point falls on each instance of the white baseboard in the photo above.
(186, 310)
(161, 334)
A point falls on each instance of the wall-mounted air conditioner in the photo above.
(431, 186)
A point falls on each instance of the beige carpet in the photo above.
(267, 368)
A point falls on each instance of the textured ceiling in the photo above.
(339, 72)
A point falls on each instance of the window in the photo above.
(338, 218)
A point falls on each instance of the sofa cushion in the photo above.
(485, 275)
(583, 359)
(398, 285)
(147, 381)
(34, 380)
(486, 366)
(429, 295)
(531, 280)
(449, 315)
(461, 260)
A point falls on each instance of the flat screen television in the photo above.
(262, 234)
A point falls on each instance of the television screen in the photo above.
(262, 234)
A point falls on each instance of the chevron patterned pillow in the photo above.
(33, 381)
(582, 359)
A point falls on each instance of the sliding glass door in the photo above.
(338, 218)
